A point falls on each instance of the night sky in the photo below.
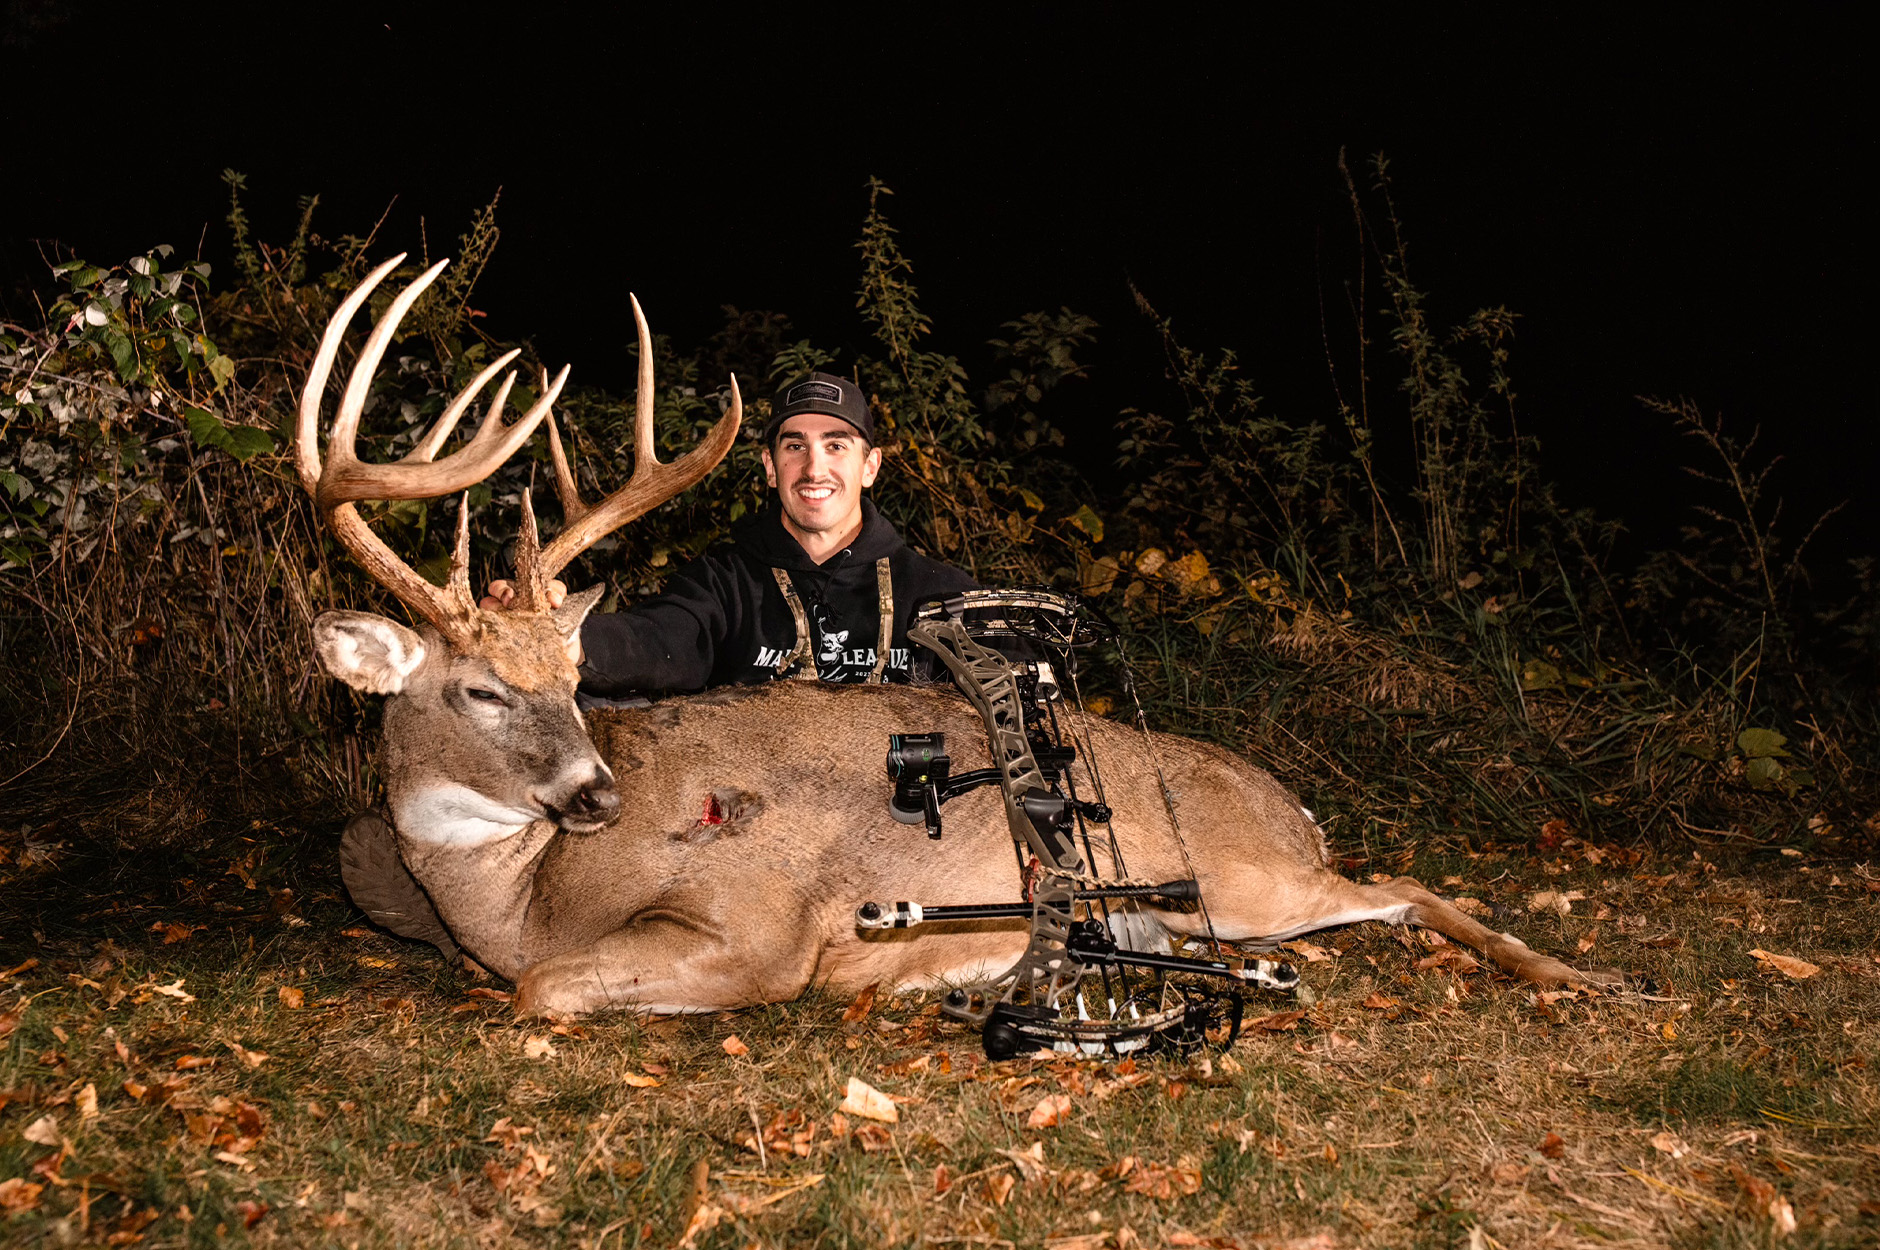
(1669, 202)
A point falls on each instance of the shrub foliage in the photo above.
(1386, 602)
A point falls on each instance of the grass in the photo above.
(330, 1085)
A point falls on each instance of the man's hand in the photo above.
(501, 594)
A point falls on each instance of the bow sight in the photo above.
(1081, 920)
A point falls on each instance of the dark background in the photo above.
(1669, 201)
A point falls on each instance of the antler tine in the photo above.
(352, 403)
(306, 440)
(432, 442)
(458, 587)
(573, 508)
(643, 392)
(530, 584)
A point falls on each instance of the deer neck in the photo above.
(482, 889)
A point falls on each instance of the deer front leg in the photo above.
(666, 965)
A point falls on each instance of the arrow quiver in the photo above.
(1082, 923)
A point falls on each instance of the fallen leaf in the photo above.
(1469, 906)
(704, 1219)
(1051, 1109)
(1670, 1143)
(189, 1063)
(44, 1132)
(1029, 1161)
(735, 1047)
(538, 1046)
(1307, 951)
(873, 1138)
(1278, 1022)
(1669, 1030)
(1162, 1181)
(1557, 901)
(174, 990)
(1553, 1145)
(510, 1135)
(639, 1081)
(942, 1179)
(863, 1004)
(1507, 1172)
(252, 1212)
(999, 1187)
(87, 1102)
(865, 1100)
(173, 932)
(1787, 965)
(19, 1195)
(1377, 1002)
(291, 998)
(251, 1059)
(1448, 957)
(10, 1020)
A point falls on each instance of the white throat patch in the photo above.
(448, 814)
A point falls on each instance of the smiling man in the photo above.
(817, 585)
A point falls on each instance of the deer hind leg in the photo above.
(1331, 900)
(665, 966)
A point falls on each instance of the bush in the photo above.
(1453, 657)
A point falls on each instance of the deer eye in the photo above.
(487, 696)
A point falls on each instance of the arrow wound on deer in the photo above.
(723, 812)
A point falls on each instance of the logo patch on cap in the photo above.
(821, 391)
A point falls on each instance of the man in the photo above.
(817, 585)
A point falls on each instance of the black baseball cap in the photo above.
(823, 393)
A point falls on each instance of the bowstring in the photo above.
(1168, 796)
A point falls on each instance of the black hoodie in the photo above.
(723, 619)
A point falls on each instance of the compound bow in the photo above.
(1080, 918)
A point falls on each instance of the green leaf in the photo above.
(1540, 675)
(1764, 773)
(221, 369)
(14, 484)
(206, 428)
(1089, 522)
(123, 354)
(247, 442)
(1031, 501)
(1761, 744)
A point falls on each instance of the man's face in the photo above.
(820, 466)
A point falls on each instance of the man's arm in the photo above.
(668, 642)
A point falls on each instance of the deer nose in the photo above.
(597, 800)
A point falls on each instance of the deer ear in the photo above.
(368, 653)
(573, 610)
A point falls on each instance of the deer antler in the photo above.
(651, 484)
(337, 486)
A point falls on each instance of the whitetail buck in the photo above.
(709, 852)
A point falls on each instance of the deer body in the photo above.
(710, 852)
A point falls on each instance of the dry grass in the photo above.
(399, 1103)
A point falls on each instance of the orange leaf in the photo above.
(19, 1195)
(734, 1046)
(1377, 1002)
(291, 997)
(1050, 1111)
(1553, 1145)
(1787, 965)
(863, 1004)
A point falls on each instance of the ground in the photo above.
(214, 1048)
